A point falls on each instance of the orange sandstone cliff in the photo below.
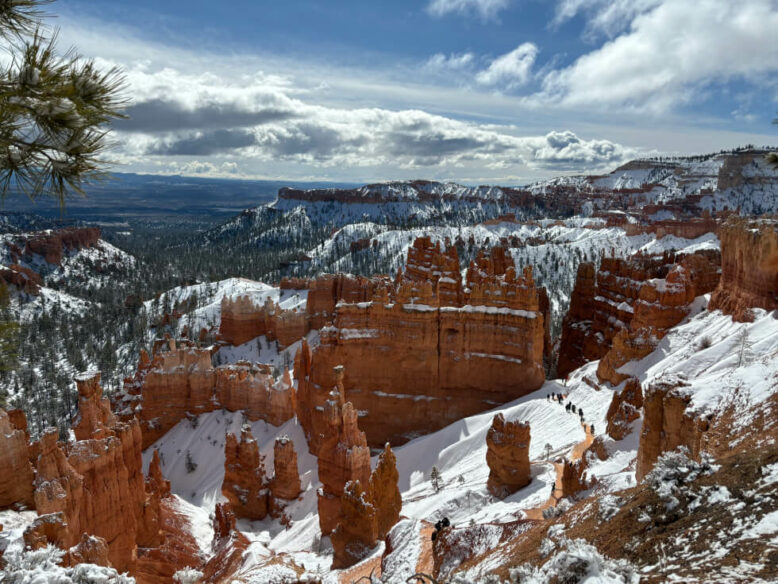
(182, 381)
(429, 349)
(749, 268)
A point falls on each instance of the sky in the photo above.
(473, 91)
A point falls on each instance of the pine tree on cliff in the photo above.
(54, 109)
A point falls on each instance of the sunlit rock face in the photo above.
(507, 454)
(181, 381)
(428, 349)
(619, 312)
(667, 425)
(749, 268)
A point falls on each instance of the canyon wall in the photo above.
(181, 381)
(666, 423)
(429, 349)
(619, 312)
(749, 268)
(242, 320)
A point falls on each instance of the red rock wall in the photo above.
(667, 425)
(53, 244)
(17, 473)
(182, 381)
(617, 315)
(415, 362)
(749, 277)
(242, 321)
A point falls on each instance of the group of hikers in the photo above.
(570, 407)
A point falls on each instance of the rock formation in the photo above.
(621, 312)
(242, 320)
(624, 409)
(385, 492)
(749, 264)
(343, 457)
(245, 484)
(16, 479)
(666, 423)
(357, 532)
(507, 454)
(227, 546)
(326, 291)
(98, 488)
(182, 381)
(285, 485)
(52, 244)
(430, 342)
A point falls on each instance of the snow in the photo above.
(768, 525)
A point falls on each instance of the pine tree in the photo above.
(9, 333)
(435, 478)
(54, 109)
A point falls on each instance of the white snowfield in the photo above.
(721, 374)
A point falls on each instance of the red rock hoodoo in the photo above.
(285, 485)
(428, 342)
(385, 492)
(245, 484)
(357, 533)
(16, 480)
(666, 424)
(749, 268)
(53, 244)
(343, 456)
(507, 454)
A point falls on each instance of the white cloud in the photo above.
(486, 9)
(609, 17)
(511, 69)
(669, 54)
(453, 62)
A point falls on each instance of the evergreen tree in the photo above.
(9, 333)
(54, 108)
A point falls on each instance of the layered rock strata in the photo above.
(357, 532)
(428, 349)
(667, 425)
(749, 268)
(619, 312)
(242, 320)
(507, 454)
(181, 381)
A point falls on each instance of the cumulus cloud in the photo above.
(669, 54)
(511, 69)
(486, 9)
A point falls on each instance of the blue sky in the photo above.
(499, 91)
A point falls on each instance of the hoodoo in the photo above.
(507, 454)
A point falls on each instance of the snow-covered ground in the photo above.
(717, 375)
